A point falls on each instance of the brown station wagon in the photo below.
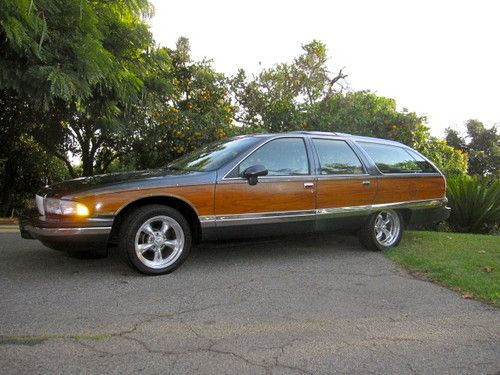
(247, 186)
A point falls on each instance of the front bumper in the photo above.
(66, 233)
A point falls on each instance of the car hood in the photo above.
(124, 181)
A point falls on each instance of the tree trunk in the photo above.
(87, 164)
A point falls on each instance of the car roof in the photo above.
(336, 135)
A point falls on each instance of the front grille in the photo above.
(39, 204)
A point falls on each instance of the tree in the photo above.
(63, 49)
(84, 63)
(482, 146)
(281, 98)
(306, 95)
(24, 164)
(192, 110)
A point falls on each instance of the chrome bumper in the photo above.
(36, 232)
(66, 232)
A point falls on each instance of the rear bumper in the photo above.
(62, 233)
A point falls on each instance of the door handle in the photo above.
(366, 182)
(308, 185)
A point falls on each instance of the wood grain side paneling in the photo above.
(430, 188)
(200, 197)
(345, 192)
(266, 196)
(401, 189)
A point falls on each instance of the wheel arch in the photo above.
(184, 207)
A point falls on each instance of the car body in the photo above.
(247, 186)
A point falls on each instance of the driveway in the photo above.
(308, 305)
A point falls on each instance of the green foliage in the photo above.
(449, 160)
(193, 110)
(475, 204)
(482, 147)
(62, 49)
(24, 165)
(23, 170)
(84, 63)
(305, 95)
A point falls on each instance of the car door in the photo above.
(345, 191)
(281, 202)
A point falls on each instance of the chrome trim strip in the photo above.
(65, 232)
(209, 221)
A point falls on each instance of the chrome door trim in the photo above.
(210, 221)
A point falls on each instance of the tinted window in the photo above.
(336, 157)
(423, 164)
(391, 159)
(214, 155)
(281, 157)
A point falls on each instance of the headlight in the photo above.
(61, 207)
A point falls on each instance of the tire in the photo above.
(377, 236)
(155, 239)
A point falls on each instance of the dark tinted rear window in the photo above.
(423, 164)
(394, 159)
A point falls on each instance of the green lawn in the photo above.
(468, 263)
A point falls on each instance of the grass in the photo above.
(467, 263)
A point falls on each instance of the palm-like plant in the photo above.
(475, 204)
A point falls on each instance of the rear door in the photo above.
(281, 202)
(345, 190)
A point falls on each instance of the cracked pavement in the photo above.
(310, 305)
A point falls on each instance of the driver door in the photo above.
(281, 202)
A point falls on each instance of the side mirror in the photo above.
(252, 173)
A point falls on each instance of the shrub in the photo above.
(475, 204)
(450, 161)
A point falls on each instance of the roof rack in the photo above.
(320, 133)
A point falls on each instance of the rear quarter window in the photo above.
(394, 159)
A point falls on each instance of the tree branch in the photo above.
(71, 170)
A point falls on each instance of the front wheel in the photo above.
(382, 230)
(155, 239)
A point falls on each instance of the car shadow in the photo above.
(215, 254)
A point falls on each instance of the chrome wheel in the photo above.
(159, 242)
(387, 228)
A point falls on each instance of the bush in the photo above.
(450, 161)
(475, 204)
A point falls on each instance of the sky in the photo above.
(438, 58)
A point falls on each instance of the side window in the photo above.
(391, 159)
(423, 164)
(281, 157)
(337, 157)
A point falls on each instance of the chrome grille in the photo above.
(39, 204)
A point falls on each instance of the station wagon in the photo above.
(247, 186)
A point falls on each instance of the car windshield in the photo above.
(213, 155)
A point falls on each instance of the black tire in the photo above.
(368, 233)
(129, 234)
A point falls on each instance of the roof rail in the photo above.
(319, 133)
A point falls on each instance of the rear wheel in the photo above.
(384, 229)
(155, 239)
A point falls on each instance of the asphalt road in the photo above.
(309, 305)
